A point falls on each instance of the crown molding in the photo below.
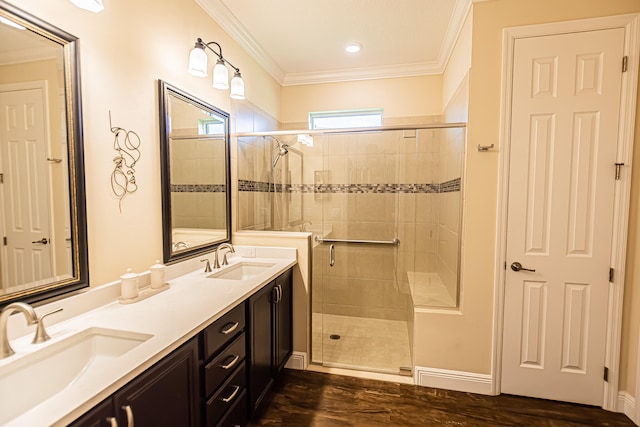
(364, 73)
(460, 12)
(234, 28)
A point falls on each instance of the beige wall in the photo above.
(123, 51)
(401, 97)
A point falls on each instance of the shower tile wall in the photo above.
(196, 185)
(254, 211)
(374, 186)
(251, 208)
(449, 209)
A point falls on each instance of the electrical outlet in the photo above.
(336, 212)
(246, 252)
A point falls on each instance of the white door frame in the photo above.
(631, 24)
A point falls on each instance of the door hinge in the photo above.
(618, 167)
(4, 241)
(611, 275)
(606, 374)
(625, 63)
(1, 178)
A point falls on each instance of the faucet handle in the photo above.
(41, 333)
(207, 266)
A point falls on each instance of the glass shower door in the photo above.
(361, 309)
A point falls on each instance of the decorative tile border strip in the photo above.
(265, 187)
(198, 188)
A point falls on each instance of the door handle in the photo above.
(516, 266)
(332, 255)
(44, 241)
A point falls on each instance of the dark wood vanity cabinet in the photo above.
(220, 378)
(165, 395)
(270, 338)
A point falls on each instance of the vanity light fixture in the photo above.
(198, 68)
(94, 6)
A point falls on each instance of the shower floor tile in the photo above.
(368, 344)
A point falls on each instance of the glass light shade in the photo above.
(237, 87)
(94, 6)
(220, 75)
(198, 62)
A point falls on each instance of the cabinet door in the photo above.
(260, 347)
(100, 416)
(165, 395)
(283, 339)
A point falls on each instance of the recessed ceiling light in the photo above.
(353, 47)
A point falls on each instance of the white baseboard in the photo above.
(627, 406)
(453, 380)
(297, 360)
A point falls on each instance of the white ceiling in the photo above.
(302, 41)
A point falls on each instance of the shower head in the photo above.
(282, 150)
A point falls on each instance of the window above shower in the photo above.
(345, 119)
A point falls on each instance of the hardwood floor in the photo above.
(305, 398)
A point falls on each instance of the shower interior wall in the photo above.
(427, 223)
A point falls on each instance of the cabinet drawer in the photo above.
(220, 368)
(229, 393)
(237, 415)
(223, 330)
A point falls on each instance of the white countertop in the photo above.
(174, 316)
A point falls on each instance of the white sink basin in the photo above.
(244, 270)
(37, 376)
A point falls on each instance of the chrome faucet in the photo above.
(30, 314)
(216, 259)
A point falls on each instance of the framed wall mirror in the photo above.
(43, 250)
(195, 174)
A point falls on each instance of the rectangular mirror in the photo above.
(195, 174)
(42, 199)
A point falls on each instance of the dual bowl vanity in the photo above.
(212, 344)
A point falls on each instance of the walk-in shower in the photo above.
(383, 205)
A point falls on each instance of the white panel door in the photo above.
(566, 101)
(25, 189)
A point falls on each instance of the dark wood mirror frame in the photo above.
(165, 91)
(77, 196)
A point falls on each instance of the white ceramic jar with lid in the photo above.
(157, 275)
(129, 285)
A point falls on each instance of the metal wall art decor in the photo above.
(127, 145)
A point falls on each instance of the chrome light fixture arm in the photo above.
(202, 45)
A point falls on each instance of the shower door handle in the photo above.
(332, 255)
